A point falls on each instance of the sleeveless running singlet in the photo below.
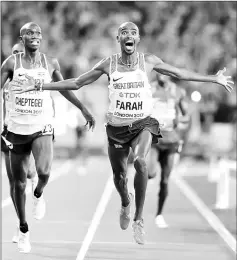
(165, 107)
(130, 95)
(30, 111)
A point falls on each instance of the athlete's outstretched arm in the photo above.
(69, 84)
(183, 74)
(71, 97)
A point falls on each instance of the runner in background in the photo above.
(170, 110)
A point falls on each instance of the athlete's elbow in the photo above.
(76, 84)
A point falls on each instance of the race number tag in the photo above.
(48, 130)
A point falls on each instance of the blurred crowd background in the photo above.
(199, 36)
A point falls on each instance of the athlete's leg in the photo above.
(10, 178)
(118, 158)
(141, 146)
(42, 149)
(152, 162)
(166, 163)
(19, 168)
(31, 174)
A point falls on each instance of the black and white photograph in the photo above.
(118, 130)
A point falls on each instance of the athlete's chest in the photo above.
(132, 80)
(39, 74)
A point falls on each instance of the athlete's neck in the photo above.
(32, 56)
(129, 60)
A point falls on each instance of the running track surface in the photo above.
(82, 215)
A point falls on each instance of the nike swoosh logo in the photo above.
(20, 75)
(117, 79)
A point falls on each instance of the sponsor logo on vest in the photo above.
(117, 79)
(129, 95)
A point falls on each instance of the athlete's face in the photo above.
(128, 37)
(32, 37)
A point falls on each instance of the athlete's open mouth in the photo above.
(35, 42)
(129, 44)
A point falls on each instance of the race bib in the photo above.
(48, 130)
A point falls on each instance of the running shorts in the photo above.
(4, 146)
(23, 143)
(124, 135)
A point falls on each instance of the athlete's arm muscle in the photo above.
(84, 79)
(159, 66)
(7, 70)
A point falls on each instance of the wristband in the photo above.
(39, 86)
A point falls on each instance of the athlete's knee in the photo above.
(43, 169)
(20, 185)
(120, 178)
(140, 164)
(31, 174)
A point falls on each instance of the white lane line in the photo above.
(58, 172)
(96, 218)
(211, 218)
(72, 242)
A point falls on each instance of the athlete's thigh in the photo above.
(141, 144)
(42, 149)
(118, 158)
(19, 165)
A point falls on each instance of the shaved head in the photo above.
(27, 26)
(18, 47)
(128, 25)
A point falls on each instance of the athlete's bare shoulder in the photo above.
(7, 69)
(51, 60)
(103, 65)
(152, 59)
(53, 64)
(9, 63)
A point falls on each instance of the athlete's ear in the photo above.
(117, 37)
(20, 38)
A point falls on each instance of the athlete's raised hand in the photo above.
(223, 80)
